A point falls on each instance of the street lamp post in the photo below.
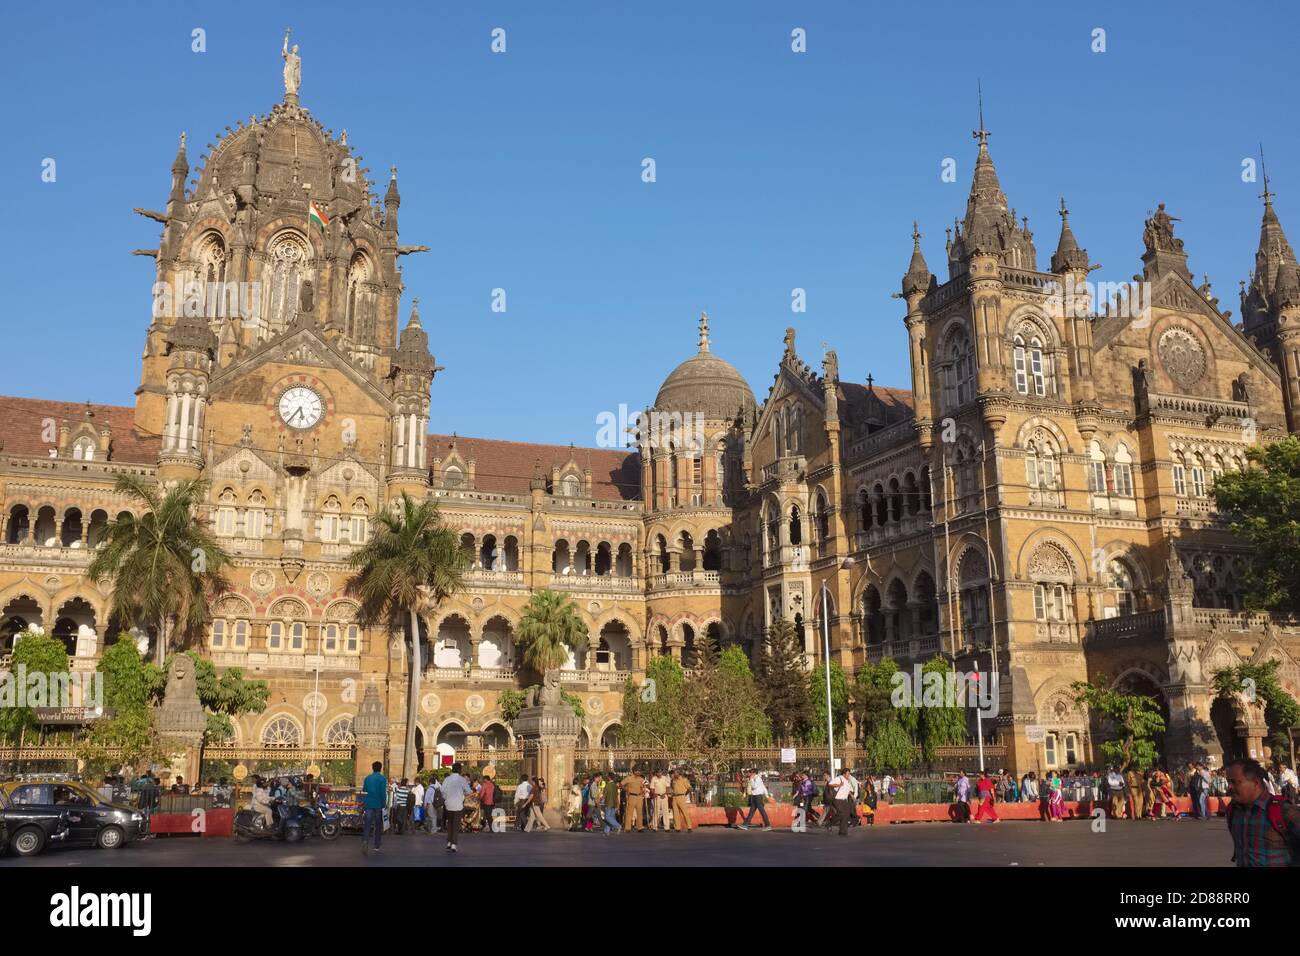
(826, 662)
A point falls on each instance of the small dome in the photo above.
(707, 385)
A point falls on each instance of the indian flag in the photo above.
(317, 215)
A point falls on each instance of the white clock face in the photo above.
(300, 407)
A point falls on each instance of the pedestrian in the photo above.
(846, 798)
(609, 802)
(487, 799)
(634, 792)
(1115, 790)
(1164, 794)
(375, 788)
(659, 793)
(432, 803)
(1029, 787)
(985, 789)
(1198, 790)
(680, 787)
(397, 815)
(757, 800)
(537, 814)
(523, 802)
(962, 792)
(454, 791)
(417, 805)
(1265, 828)
(1056, 798)
(1290, 783)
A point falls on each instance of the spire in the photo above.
(180, 169)
(704, 331)
(1068, 254)
(990, 226)
(917, 278)
(392, 200)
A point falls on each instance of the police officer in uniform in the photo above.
(634, 788)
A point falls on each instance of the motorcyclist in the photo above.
(261, 802)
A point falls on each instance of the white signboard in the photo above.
(787, 755)
(1034, 733)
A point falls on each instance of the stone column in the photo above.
(181, 720)
(548, 730)
(371, 731)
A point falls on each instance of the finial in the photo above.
(343, 138)
(981, 134)
(393, 171)
(1065, 212)
(871, 381)
(1266, 196)
(704, 331)
(916, 235)
(183, 147)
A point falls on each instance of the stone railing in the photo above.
(1128, 626)
(495, 579)
(790, 466)
(610, 678)
(595, 582)
(1186, 406)
(591, 504)
(52, 554)
(471, 672)
(685, 579)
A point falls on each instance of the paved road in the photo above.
(1181, 843)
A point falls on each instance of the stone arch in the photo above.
(613, 722)
(273, 723)
(497, 721)
(1026, 432)
(1027, 564)
(1029, 316)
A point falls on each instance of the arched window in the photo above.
(958, 370)
(1120, 580)
(83, 450)
(330, 520)
(282, 732)
(226, 513)
(570, 487)
(287, 268)
(452, 477)
(1123, 471)
(359, 522)
(255, 523)
(1198, 476)
(1049, 602)
(1096, 468)
(796, 526)
(1180, 477)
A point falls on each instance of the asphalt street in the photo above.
(1172, 843)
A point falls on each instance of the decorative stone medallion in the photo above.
(595, 705)
(475, 704)
(52, 582)
(1182, 356)
(318, 583)
(314, 704)
(430, 703)
(262, 581)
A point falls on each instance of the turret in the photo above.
(412, 376)
(917, 282)
(1070, 263)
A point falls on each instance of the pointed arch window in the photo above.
(1123, 471)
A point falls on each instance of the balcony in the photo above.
(1146, 624)
(481, 577)
(788, 468)
(471, 673)
(40, 554)
(617, 583)
(685, 579)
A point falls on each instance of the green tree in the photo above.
(888, 731)
(510, 702)
(1135, 717)
(654, 712)
(1259, 681)
(34, 653)
(162, 565)
(411, 564)
(549, 628)
(722, 709)
(944, 724)
(1262, 505)
(783, 683)
(839, 703)
(126, 736)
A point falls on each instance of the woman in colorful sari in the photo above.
(1164, 794)
(1056, 798)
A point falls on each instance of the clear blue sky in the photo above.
(523, 170)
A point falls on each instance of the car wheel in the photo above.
(110, 838)
(28, 841)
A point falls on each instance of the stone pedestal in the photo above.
(181, 720)
(549, 732)
(370, 728)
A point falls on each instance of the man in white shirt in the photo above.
(757, 798)
(845, 788)
(523, 804)
(431, 821)
(454, 791)
(417, 805)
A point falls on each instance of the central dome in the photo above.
(706, 384)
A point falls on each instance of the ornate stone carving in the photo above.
(1182, 356)
(1049, 561)
(314, 704)
(181, 714)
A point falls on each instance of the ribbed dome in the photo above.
(706, 384)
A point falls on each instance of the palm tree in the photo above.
(162, 565)
(412, 564)
(549, 628)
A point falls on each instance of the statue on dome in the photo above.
(292, 67)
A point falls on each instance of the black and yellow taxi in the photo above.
(42, 811)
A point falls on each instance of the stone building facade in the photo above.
(1037, 504)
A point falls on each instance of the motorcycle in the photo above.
(292, 823)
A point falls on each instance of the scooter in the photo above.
(288, 826)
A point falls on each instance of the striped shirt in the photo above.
(1254, 838)
(401, 795)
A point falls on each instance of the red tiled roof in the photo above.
(507, 466)
(22, 427)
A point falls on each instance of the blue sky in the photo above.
(522, 171)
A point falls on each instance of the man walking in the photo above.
(432, 803)
(757, 799)
(610, 804)
(1136, 794)
(681, 815)
(1115, 785)
(845, 788)
(454, 791)
(523, 802)
(1265, 828)
(487, 798)
(375, 788)
(397, 815)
